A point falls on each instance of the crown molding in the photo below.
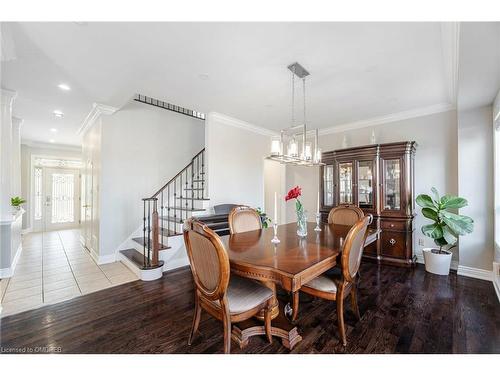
(450, 45)
(393, 117)
(50, 146)
(8, 95)
(97, 110)
(231, 121)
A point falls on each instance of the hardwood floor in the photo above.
(403, 311)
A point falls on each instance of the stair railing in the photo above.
(176, 199)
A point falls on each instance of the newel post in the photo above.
(156, 232)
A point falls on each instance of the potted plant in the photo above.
(263, 218)
(16, 202)
(445, 228)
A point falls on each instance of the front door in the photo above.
(62, 191)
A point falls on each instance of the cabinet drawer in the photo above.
(393, 244)
(393, 225)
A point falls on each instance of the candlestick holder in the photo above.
(318, 220)
(275, 238)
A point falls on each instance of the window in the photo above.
(38, 194)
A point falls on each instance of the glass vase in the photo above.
(302, 223)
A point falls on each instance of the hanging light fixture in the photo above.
(297, 145)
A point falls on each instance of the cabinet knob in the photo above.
(392, 241)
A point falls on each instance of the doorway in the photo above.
(62, 195)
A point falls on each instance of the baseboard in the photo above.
(9, 271)
(26, 231)
(103, 259)
(453, 266)
(476, 273)
(496, 279)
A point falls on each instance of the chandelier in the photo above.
(297, 145)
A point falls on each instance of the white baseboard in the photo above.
(476, 273)
(103, 259)
(9, 272)
(27, 230)
(496, 278)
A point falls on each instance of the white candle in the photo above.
(275, 207)
(317, 208)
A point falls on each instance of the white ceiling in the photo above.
(358, 70)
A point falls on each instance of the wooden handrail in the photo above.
(177, 175)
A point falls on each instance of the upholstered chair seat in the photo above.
(245, 294)
(325, 283)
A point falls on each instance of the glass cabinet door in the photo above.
(392, 186)
(345, 183)
(365, 184)
(328, 185)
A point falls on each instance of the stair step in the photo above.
(140, 241)
(137, 258)
(198, 181)
(200, 189)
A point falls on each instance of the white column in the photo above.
(16, 156)
(7, 98)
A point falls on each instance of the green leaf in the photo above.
(440, 242)
(452, 201)
(423, 200)
(435, 194)
(459, 224)
(432, 230)
(430, 213)
(450, 236)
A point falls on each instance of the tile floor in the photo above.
(54, 267)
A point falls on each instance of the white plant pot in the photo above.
(438, 264)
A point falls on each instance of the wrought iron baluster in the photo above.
(149, 233)
(203, 174)
(161, 217)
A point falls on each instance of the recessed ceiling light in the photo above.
(51, 141)
(53, 130)
(203, 77)
(64, 87)
(58, 113)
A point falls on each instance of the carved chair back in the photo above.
(346, 214)
(353, 248)
(208, 258)
(244, 219)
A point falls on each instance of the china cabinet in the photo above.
(380, 180)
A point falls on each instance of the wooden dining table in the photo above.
(290, 264)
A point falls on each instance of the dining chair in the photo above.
(243, 219)
(337, 288)
(226, 297)
(346, 214)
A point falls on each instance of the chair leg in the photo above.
(354, 301)
(196, 319)
(226, 320)
(267, 323)
(295, 305)
(340, 315)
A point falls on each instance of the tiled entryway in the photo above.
(54, 267)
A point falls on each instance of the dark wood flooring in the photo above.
(403, 311)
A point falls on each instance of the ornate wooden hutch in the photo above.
(380, 180)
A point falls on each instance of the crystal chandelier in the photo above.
(297, 145)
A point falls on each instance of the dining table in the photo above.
(289, 264)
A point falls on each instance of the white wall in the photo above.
(308, 179)
(496, 187)
(235, 160)
(275, 182)
(49, 150)
(435, 161)
(142, 148)
(475, 144)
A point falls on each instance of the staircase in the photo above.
(163, 216)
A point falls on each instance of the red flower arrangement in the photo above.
(295, 193)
